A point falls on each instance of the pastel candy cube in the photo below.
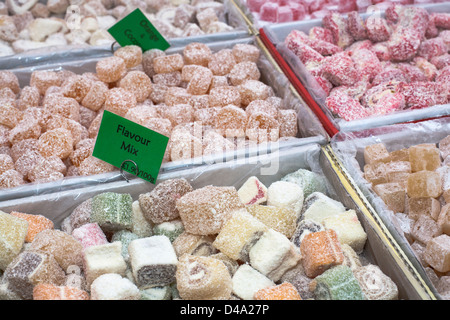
(64, 247)
(252, 191)
(437, 253)
(375, 173)
(297, 277)
(308, 180)
(13, 232)
(203, 278)
(281, 219)
(348, 228)
(156, 293)
(444, 146)
(247, 281)
(320, 251)
(90, 234)
(424, 184)
(46, 291)
(425, 228)
(239, 234)
(444, 172)
(205, 210)
(317, 206)
(194, 244)
(444, 219)
(36, 224)
(153, 261)
(141, 226)
(171, 229)
(398, 171)
(423, 205)
(103, 259)
(284, 291)
(303, 228)
(30, 268)
(375, 153)
(285, 194)
(112, 211)
(337, 283)
(375, 284)
(125, 237)
(424, 157)
(273, 254)
(112, 286)
(351, 258)
(393, 195)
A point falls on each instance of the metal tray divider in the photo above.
(378, 226)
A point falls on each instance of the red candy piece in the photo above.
(441, 61)
(356, 26)
(346, 6)
(321, 33)
(367, 63)
(431, 48)
(382, 51)
(391, 74)
(403, 44)
(340, 70)
(324, 84)
(377, 28)
(384, 98)
(304, 52)
(269, 12)
(325, 48)
(337, 24)
(299, 10)
(285, 14)
(412, 72)
(346, 107)
(423, 94)
(441, 20)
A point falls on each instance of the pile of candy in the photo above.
(286, 241)
(297, 10)
(380, 65)
(31, 24)
(206, 102)
(415, 184)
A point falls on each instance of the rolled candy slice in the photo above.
(303, 228)
(197, 245)
(375, 284)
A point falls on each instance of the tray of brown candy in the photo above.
(370, 69)
(403, 172)
(278, 226)
(53, 112)
(34, 32)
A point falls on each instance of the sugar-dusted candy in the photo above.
(47, 291)
(203, 278)
(304, 52)
(171, 229)
(320, 251)
(443, 219)
(6, 163)
(168, 63)
(9, 80)
(43, 79)
(156, 293)
(147, 60)
(153, 261)
(216, 144)
(375, 173)
(110, 69)
(351, 258)
(443, 287)
(345, 106)
(200, 81)
(424, 184)
(125, 237)
(103, 259)
(393, 194)
(197, 53)
(262, 127)
(375, 284)
(423, 205)
(170, 79)
(425, 229)
(176, 95)
(11, 179)
(95, 97)
(224, 95)
(284, 291)
(56, 142)
(317, 206)
(340, 69)
(63, 247)
(113, 286)
(273, 254)
(193, 244)
(76, 87)
(231, 121)
(119, 101)
(26, 129)
(288, 122)
(242, 71)
(92, 166)
(183, 144)
(403, 44)
(441, 61)
(239, 233)
(378, 29)
(112, 211)
(245, 52)
(90, 234)
(247, 281)
(159, 205)
(337, 283)
(281, 219)
(36, 224)
(375, 153)
(424, 157)
(348, 228)
(303, 228)
(398, 171)
(356, 26)
(253, 191)
(337, 24)
(138, 83)
(131, 54)
(222, 62)
(308, 180)
(285, 194)
(195, 208)
(231, 264)
(437, 253)
(14, 231)
(29, 269)
(10, 115)
(251, 90)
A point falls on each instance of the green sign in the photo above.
(136, 29)
(130, 146)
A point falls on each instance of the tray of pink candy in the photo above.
(40, 31)
(366, 70)
(403, 171)
(278, 226)
(52, 112)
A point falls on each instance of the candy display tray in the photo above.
(310, 128)
(274, 35)
(349, 149)
(36, 57)
(268, 168)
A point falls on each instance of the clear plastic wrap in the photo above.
(278, 33)
(349, 148)
(268, 168)
(309, 128)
